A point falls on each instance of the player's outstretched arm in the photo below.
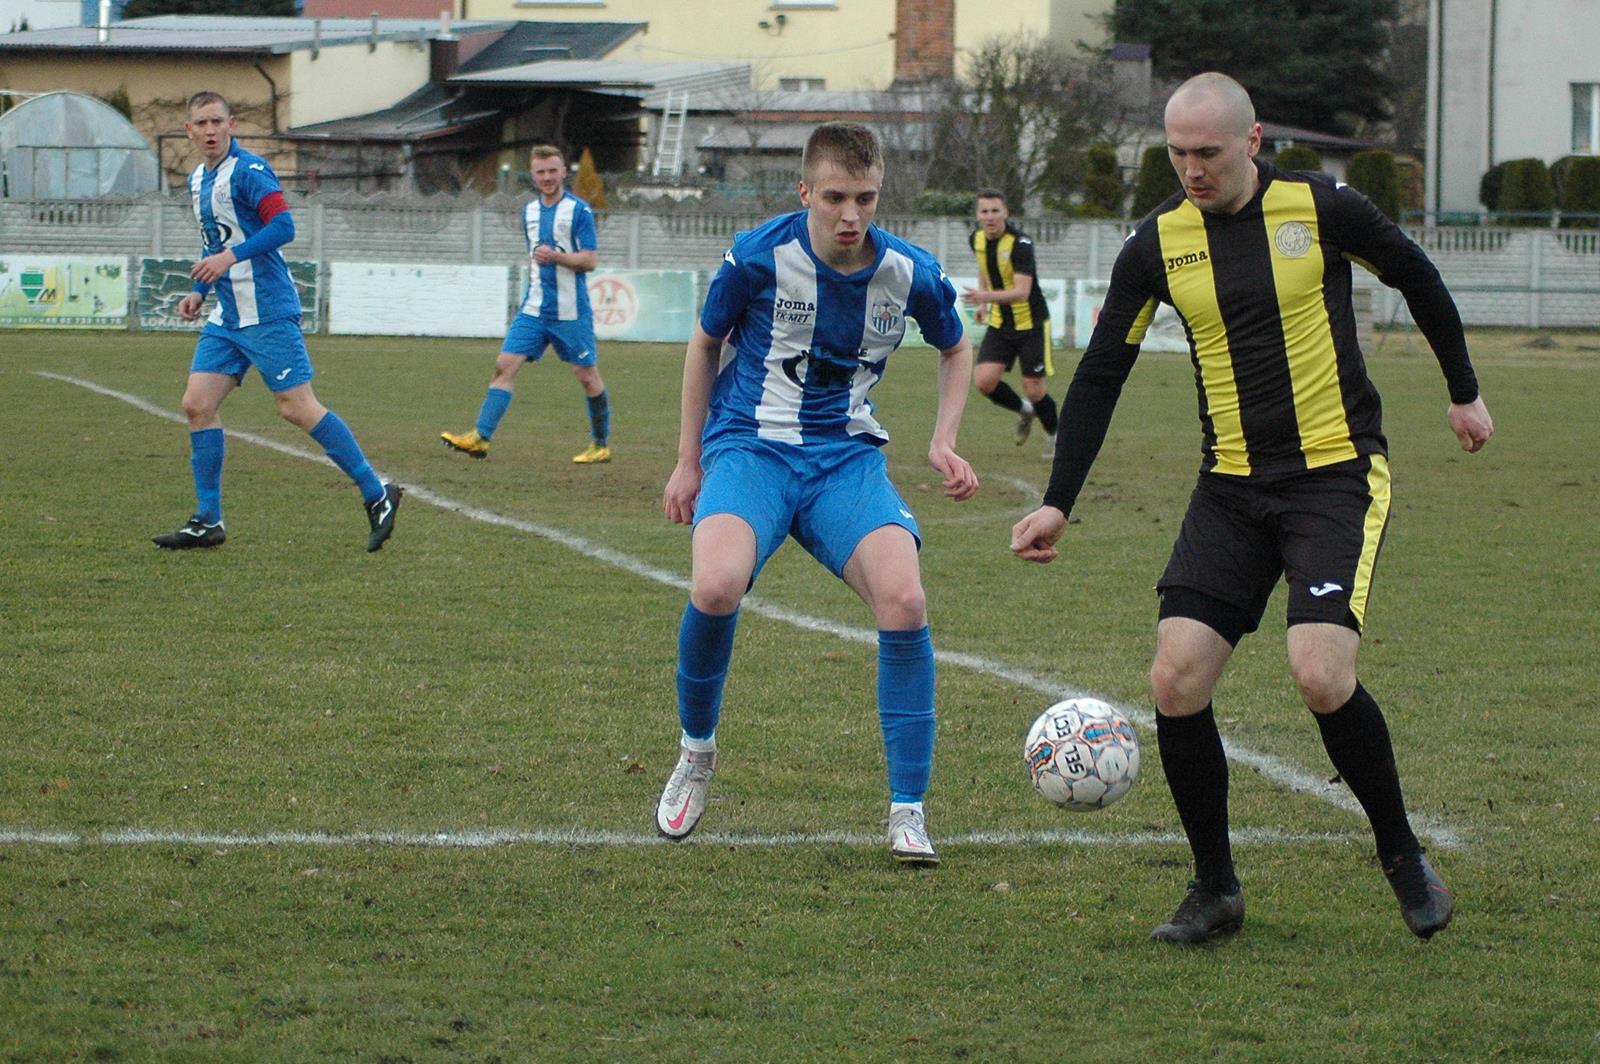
(955, 378)
(699, 376)
(1472, 424)
(1034, 537)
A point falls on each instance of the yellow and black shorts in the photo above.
(1028, 347)
(1319, 529)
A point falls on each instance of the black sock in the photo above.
(1046, 409)
(1357, 741)
(1197, 775)
(1004, 396)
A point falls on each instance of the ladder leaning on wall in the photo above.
(669, 145)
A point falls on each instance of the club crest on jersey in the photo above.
(885, 318)
(1178, 262)
(793, 311)
(1293, 239)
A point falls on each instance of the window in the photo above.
(1586, 118)
(802, 84)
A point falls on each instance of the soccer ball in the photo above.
(1082, 754)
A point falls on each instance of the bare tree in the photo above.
(1021, 118)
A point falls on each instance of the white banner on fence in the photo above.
(415, 299)
(1055, 297)
(1166, 331)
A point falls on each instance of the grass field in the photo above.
(286, 800)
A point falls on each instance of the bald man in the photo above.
(1294, 482)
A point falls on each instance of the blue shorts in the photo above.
(828, 497)
(573, 340)
(277, 349)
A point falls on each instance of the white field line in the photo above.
(1268, 765)
(483, 839)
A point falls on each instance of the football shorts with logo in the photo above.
(277, 349)
(573, 340)
(1320, 529)
(1025, 347)
(828, 496)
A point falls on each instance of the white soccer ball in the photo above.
(1082, 754)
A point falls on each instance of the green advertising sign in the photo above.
(164, 282)
(50, 292)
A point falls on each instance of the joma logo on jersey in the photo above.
(1178, 262)
(793, 311)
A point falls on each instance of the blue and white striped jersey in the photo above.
(808, 342)
(226, 202)
(556, 293)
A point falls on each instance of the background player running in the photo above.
(256, 322)
(561, 248)
(1017, 316)
(779, 440)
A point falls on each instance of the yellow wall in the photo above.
(348, 80)
(853, 51)
(849, 45)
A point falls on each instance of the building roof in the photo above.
(431, 111)
(1272, 131)
(527, 42)
(211, 34)
(647, 80)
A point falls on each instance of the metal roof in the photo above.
(211, 34)
(641, 78)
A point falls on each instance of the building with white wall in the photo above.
(1507, 79)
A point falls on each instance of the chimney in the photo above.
(444, 57)
(103, 27)
(924, 41)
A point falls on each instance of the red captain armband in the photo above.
(271, 205)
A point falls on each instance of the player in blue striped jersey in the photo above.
(555, 311)
(256, 322)
(779, 439)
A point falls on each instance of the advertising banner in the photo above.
(1166, 331)
(642, 304)
(164, 282)
(56, 291)
(635, 304)
(417, 299)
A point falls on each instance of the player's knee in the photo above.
(718, 593)
(198, 409)
(1179, 689)
(1324, 686)
(902, 607)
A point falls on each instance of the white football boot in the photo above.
(908, 836)
(684, 798)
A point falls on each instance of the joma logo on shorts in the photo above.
(1177, 262)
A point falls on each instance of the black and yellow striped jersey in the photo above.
(999, 262)
(1264, 297)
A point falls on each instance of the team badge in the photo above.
(1293, 239)
(885, 318)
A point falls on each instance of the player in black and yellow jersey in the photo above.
(1017, 316)
(1294, 482)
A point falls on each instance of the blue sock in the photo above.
(905, 710)
(599, 416)
(705, 646)
(205, 458)
(340, 443)
(493, 409)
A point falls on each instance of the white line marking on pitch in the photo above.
(1274, 768)
(482, 839)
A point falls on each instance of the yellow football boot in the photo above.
(595, 453)
(468, 442)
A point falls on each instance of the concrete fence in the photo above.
(1538, 278)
